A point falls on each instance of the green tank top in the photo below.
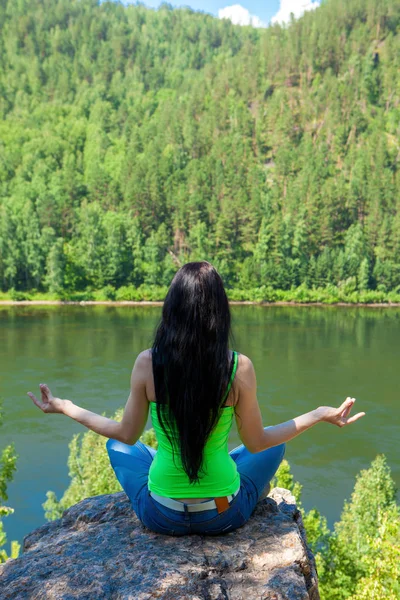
(220, 476)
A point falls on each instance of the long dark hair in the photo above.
(191, 359)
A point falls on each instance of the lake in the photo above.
(304, 357)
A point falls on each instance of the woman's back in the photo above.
(219, 475)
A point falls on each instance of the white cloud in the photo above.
(297, 7)
(240, 16)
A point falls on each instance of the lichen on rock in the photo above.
(99, 550)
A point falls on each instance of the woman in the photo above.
(194, 385)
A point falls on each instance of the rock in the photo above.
(99, 550)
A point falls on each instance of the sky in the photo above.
(258, 13)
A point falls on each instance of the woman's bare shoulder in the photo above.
(143, 371)
(246, 376)
(145, 356)
(245, 367)
(144, 362)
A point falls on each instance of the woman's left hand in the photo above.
(48, 403)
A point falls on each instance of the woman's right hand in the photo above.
(339, 416)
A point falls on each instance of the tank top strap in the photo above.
(233, 370)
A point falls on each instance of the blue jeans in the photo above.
(132, 463)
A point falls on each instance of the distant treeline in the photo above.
(330, 294)
(134, 140)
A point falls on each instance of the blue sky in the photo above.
(263, 9)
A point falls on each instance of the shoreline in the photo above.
(160, 303)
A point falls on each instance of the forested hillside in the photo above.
(133, 140)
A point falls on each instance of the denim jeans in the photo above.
(132, 463)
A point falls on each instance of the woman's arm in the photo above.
(249, 421)
(135, 413)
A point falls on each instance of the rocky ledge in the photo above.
(99, 550)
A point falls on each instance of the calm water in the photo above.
(304, 357)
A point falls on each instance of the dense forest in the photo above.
(134, 140)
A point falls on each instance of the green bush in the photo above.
(8, 461)
(348, 566)
(315, 524)
(142, 293)
(382, 562)
(152, 293)
(18, 296)
(106, 293)
(393, 297)
(237, 295)
(84, 296)
(127, 292)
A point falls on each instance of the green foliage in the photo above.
(314, 523)
(18, 296)
(382, 562)
(105, 294)
(8, 461)
(134, 140)
(349, 566)
(55, 267)
(345, 293)
(360, 560)
(284, 479)
(143, 292)
(149, 438)
(89, 469)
